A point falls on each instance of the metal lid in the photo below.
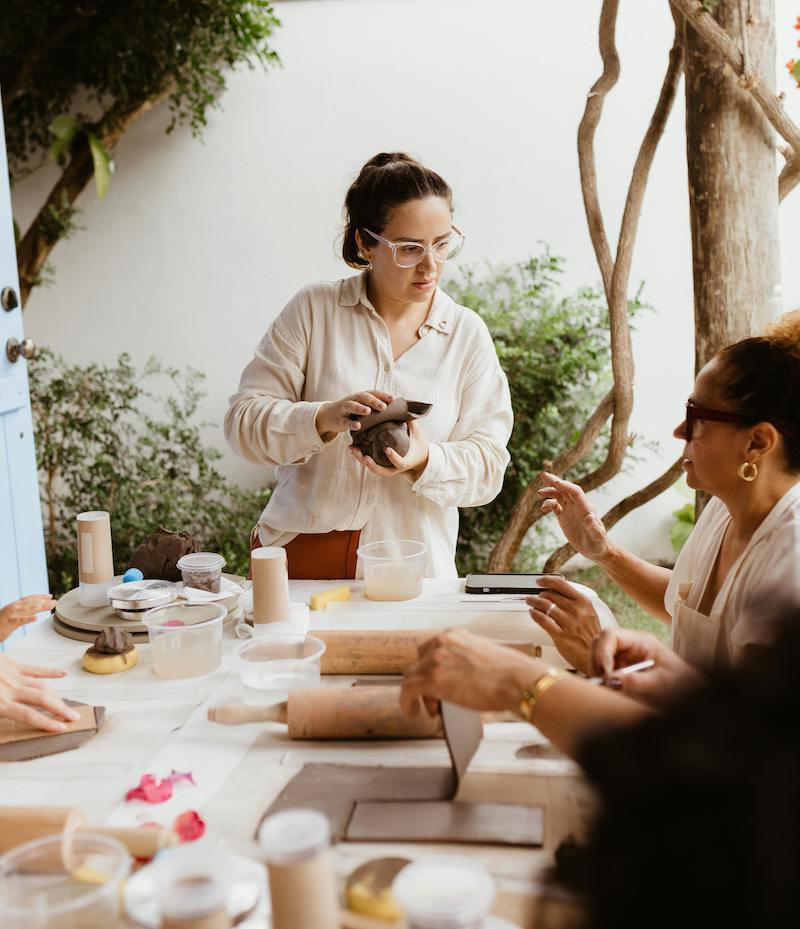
(137, 596)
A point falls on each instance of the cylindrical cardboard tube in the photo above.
(20, 824)
(356, 713)
(304, 894)
(380, 651)
(95, 558)
(270, 585)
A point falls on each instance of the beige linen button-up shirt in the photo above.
(330, 342)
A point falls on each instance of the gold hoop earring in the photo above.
(748, 471)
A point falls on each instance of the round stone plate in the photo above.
(71, 617)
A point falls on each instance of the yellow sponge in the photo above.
(333, 594)
(99, 663)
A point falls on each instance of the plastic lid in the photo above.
(201, 561)
(444, 892)
(294, 835)
(268, 551)
(192, 881)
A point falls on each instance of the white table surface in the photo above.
(156, 725)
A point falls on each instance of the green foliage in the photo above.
(682, 527)
(60, 58)
(113, 438)
(555, 352)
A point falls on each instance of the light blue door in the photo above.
(23, 568)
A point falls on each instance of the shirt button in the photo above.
(387, 367)
(315, 449)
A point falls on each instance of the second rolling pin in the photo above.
(381, 651)
(337, 713)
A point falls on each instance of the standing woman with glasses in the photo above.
(341, 350)
(740, 567)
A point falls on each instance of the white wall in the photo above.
(197, 246)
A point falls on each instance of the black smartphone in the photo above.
(504, 583)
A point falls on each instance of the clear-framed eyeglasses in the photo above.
(410, 254)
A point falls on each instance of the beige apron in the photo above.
(695, 637)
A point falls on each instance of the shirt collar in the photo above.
(354, 292)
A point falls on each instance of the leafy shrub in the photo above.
(682, 527)
(555, 352)
(111, 438)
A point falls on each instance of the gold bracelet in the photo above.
(532, 695)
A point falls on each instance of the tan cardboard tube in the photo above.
(270, 585)
(95, 558)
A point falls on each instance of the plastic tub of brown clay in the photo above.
(202, 570)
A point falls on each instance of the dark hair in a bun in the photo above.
(386, 181)
(761, 380)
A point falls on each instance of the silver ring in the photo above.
(550, 607)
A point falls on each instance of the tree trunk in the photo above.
(733, 190)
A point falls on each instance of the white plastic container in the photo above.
(185, 638)
(296, 846)
(202, 571)
(41, 888)
(269, 668)
(393, 570)
(193, 884)
(446, 892)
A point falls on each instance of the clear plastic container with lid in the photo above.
(202, 571)
(447, 892)
(296, 846)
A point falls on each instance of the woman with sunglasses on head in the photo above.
(340, 351)
(741, 565)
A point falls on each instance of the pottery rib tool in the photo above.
(381, 651)
(337, 713)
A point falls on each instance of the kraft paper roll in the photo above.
(95, 558)
(270, 585)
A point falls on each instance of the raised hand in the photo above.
(581, 525)
(21, 612)
(334, 417)
(413, 462)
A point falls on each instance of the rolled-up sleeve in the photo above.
(267, 421)
(467, 470)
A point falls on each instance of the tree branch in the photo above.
(616, 277)
(562, 555)
(715, 36)
(36, 244)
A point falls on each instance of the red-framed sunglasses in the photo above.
(695, 412)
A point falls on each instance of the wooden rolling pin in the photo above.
(381, 651)
(19, 824)
(336, 713)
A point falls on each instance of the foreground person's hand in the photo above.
(579, 522)
(333, 418)
(617, 648)
(469, 670)
(21, 612)
(413, 462)
(23, 696)
(569, 618)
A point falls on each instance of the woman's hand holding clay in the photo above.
(22, 692)
(333, 418)
(581, 525)
(618, 648)
(569, 618)
(412, 464)
(21, 612)
(469, 670)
